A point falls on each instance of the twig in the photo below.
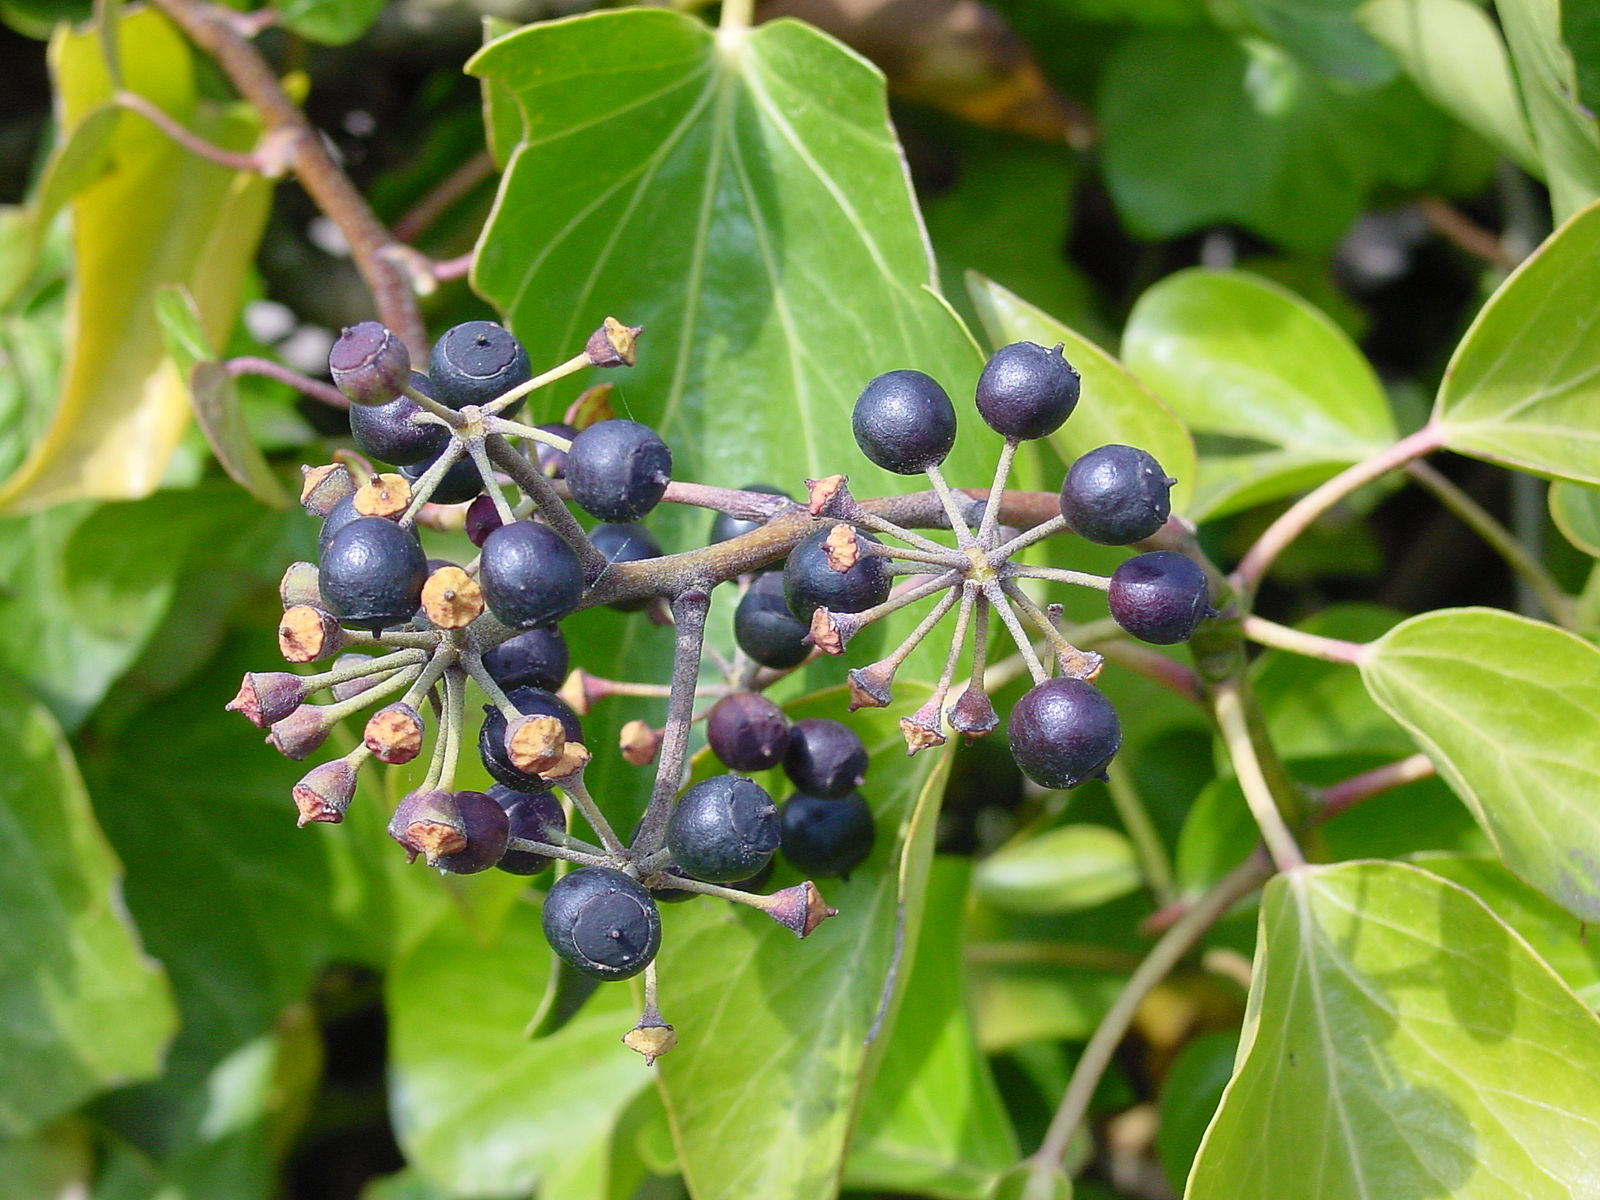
(1228, 706)
(417, 219)
(689, 612)
(323, 393)
(1270, 633)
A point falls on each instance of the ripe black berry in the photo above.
(341, 514)
(810, 582)
(1116, 495)
(904, 422)
(529, 575)
(1026, 391)
(368, 363)
(482, 519)
(487, 827)
(825, 757)
(461, 481)
(1062, 732)
(747, 732)
(372, 574)
(387, 433)
(618, 470)
(824, 837)
(528, 817)
(477, 361)
(723, 829)
(534, 658)
(602, 922)
(530, 702)
(626, 543)
(1159, 597)
(724, 527)
(765, 628)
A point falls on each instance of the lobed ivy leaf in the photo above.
(159, 215)
(1115, 406)
(1284, 395)
(1402, 1041)
(1509, 711)
(1523, 386)
(82, 1009)
(773, 1032)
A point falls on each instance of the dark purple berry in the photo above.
(765, 628)
(1159, 597)
(482, 519)
(487, 827)
(369, 364)
(747, 732)
(824, 837)
(602, 922)
(722, 829)
(618, 470)
(904, 422)
(1116, 495)
(371, 574)
(461, 481)
(528, 817)
(1063, 732)
(477, 361)
(387, 433)
(553, 462)
(724, 527)
(825, 757)
(530, 702)
(529, 575)
(341, 514)
(533, 658)
(810, 582)
(622, 544)
(1026, 391)
(459, 832)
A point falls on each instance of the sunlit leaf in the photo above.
(1286, 395)
(1564, 130)
(82, 1009)
(1402, 1042)
(1523, 387)
(1576, 511)
(159, 215)
(333, 22)
(1324, 34)
(1062, 870)
(1509, 711)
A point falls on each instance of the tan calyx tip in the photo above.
(919, 734)
(826, 633)
(841, 547)
(639, 743)
(973, 715)
(799, 909)
(306, 634)
(1082, 664)
(575, 691)
(323, 487)
(870, 686)
(574, 758)
(394, 733)
(451, 598)
(433, 839)
(829, 497)
(612, 345)
(325, 793)
(386, 495)
(535, 744)
(652, 1041)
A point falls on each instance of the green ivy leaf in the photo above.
(1189, 1096)
(1201, 129)
(1401, 1041)
(1286, 395)
(755, 221)
(1325, 35)
(479, 1109)
(1064, 869)
(81, 1007)
(1580, 30)
(331, 22)
(160, 215)
(1523, 387)
(1566, 133)
(1509, 711)
(1576, 511)
(772, 1032)
(1453, 52)
(931, 1122)
(1115, 407)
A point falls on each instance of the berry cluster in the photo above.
(407, 633)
